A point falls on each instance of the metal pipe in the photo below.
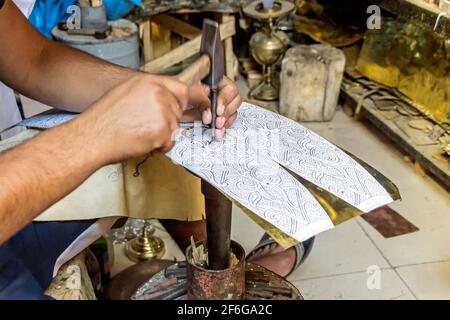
(218, 227)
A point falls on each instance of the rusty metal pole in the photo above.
(218, 227)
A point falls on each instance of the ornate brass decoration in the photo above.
(146, 246)
(268, 45)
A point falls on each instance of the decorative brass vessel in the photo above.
(268, 45)
(146, 246)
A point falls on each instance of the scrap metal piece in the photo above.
(389, 223)
(125, 283)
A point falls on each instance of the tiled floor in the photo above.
(345, 261)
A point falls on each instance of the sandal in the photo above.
(302, 250)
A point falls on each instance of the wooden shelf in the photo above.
(418, 11)
(424, 155)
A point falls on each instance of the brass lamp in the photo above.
(268, 45)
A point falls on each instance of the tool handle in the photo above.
(196, 71)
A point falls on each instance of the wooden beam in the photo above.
(177, 26)
(147, 41)
(185, 51)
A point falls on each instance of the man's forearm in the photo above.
(48, 71)
(41, 171)
(73, 80)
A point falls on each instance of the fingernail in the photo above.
(220, 109)
(206, 116)
(220, 134)
(222, 121)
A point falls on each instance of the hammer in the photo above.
(210, 69)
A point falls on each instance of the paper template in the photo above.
(252, 179)
(246, 167)
(317, 160)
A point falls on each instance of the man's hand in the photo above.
(133, 119)
(228, 102)
(137, 117)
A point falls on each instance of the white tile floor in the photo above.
(415, 266)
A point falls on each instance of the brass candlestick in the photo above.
(268, 45)
(146, 246)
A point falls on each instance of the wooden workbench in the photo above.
(160, 13)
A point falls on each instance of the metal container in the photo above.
(118, 48)
(228, 284)
(94, 18)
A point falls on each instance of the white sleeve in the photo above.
(9, 112)
(25, 6)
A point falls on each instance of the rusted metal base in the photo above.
(261, 279)
(124, 284)
(227, 284)
(261, 284)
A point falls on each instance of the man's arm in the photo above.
(120, 125)
(42, 171)
(48, 71)
(64, 77)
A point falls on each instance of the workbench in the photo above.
(426, 156)
(167, 15)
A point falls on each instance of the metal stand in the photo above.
(218, 227)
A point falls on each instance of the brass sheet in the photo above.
(414, 61)
(387, 184)
(279, 236)
(322, 31)
(337, 209)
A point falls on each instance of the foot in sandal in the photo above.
(272, 256)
